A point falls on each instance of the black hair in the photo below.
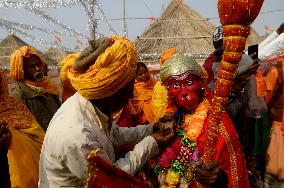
(218, 44)
(141, 64)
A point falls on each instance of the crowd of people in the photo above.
(143, 132)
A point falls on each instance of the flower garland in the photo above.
(174, 165)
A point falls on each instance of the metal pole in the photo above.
(124, 19)
(92, 24)
(89, 9)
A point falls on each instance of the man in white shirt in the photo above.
(273, 44)
(103, 76)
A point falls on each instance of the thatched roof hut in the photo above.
(7, 46)
(10, 44)
(56, 54)
(254, 38)
(179, 27)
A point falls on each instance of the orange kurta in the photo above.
(275, 151)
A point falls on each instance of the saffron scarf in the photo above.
(27, 137)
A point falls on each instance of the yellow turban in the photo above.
(17, 61)
(110, 72)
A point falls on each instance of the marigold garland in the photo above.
(177, 160)
(172, 178)
(194, 123)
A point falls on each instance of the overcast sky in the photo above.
(75, 17)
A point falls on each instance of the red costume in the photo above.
(229, 154)
(175, 167)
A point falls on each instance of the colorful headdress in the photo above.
(179, 64)
(167, 54)
(112, 70)
(17, 61)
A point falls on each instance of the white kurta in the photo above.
(78, 128)
(267, 40)
(273, 47)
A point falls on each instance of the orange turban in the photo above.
(112, 70)
(17, 61)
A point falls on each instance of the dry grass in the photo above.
(254, 38)
(57, 54)
(52, 56)
(182, 28)
(179, 27)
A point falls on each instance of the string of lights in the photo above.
(36, 5)
(104, 18)
(34, 28)
(55, 4)
(145, 56)
(52, 20)
(90, 12)
(32, 6)
(39, 4)
(187, 19)
(41, 41)
(38, 8)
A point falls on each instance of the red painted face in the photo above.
(185, 90)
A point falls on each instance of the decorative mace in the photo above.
(235, 16)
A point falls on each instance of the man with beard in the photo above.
(37, 91)
(103, 75)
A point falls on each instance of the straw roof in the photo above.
(179, 27)
(56, 54)
(254, 38)
(9, 44)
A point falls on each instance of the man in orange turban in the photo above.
(37, 91)
(103, 76)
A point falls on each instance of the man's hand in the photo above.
(165, 119)
(164, 123)
(207, 173)
(5, 136)
(163, 137)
